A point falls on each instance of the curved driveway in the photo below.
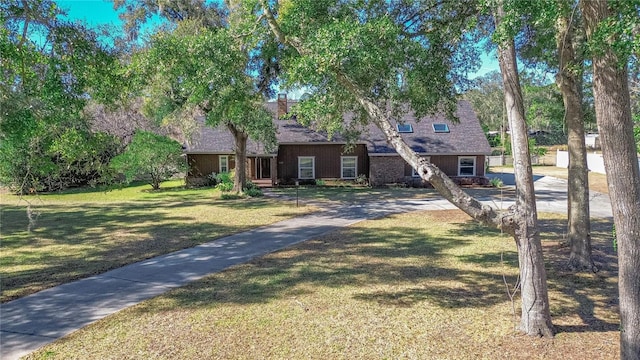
(35, 320)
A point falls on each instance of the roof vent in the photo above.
(282, 105)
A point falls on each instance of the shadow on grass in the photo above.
(354, 258)
(352, 194)
(402, 267)
(588, 290)
(88, 239)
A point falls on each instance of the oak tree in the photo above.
(379, 59)
(609, 48)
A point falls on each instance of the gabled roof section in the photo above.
(464, 138)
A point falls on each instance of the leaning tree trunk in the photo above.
(613, 114)
(521, 222)
(568, 81)
(535, 318)
(240, 177)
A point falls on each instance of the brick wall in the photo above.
(386, 170)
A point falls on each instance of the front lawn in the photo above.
(350, 194)
(83, 232)
(423, 285)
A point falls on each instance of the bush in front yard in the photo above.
(150, 156)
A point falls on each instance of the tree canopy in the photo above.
(49, 65)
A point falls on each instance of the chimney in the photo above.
(282, 105)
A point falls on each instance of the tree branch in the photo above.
(429, 172)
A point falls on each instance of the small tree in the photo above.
(150, 156)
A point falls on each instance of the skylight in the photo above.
(404, 128)
(441, 128)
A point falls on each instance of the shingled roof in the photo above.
(463, 138)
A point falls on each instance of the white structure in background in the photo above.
(592, 141)
(595, 162)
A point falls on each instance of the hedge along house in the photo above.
(305, 155)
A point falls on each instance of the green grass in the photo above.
(351, 194)
(424, 285)
(81, 232)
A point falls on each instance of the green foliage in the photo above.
(385, 48)
(619, 32)
(212, 179)
(496, 182)
(544, 105)
(252, 190)
(153, 157)
(487, 99)
(193, 69)
(46, 140)
(224, 181)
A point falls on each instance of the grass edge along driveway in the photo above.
(83, 232)
(421, 285)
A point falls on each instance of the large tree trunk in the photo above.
(613, 114)
(535, 318)
(240, 177)
(568, 81)
(521, 221)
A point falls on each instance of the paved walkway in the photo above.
(35, 320)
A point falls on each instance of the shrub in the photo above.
(150, 156)
(212, 179)
(496, 182)
(253, 190)
(224, 181)
(362, 180)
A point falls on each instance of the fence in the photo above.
(499, 160)
(595, 162)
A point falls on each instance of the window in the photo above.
(441, 128)
(306, 167)
(224, 163)
(404, 128)
(467, 166)
(348, 167)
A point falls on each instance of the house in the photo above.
(304, 155)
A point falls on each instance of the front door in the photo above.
(264, 168)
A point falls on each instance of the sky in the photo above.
(94, 12)
(100, 12)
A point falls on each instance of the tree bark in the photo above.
(535, 318)
(568, 81)
(520, 221)
(615, 125)
(240, 177)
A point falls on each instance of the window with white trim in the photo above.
(223, 161)
(467, 166)
(306, 167)
(348, 167)
(414, 173)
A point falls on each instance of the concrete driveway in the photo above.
(551, 195)
(35, 320)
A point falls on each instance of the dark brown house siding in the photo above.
(327, 160)
(201, 165)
